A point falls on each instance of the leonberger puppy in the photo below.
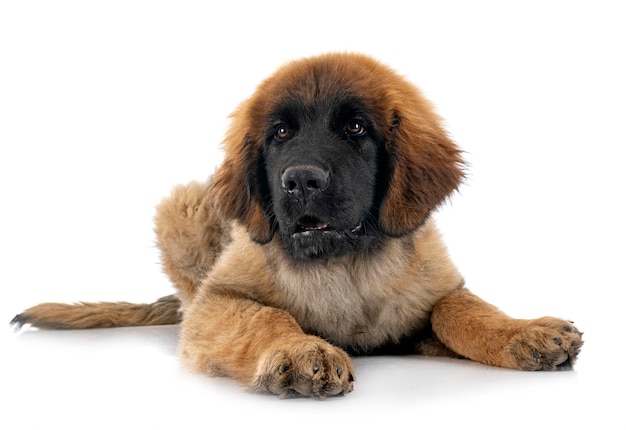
(313, 241)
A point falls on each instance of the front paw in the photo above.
(310, 367)
(545, 344)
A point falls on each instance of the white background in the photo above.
(104, 106)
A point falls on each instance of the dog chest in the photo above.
(358, 305)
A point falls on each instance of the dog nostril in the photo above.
(291, 185)
(312, 184)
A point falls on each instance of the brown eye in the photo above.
(282, 132)
(355, 127)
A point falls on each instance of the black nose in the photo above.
(304, 182)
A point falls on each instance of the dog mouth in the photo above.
(309, 224)
(313, 238)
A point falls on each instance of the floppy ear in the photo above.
(426, 166)
(236, 184)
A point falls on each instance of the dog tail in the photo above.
(164, 311)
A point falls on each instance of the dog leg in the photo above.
(479, 331)
(189, 236)
(262, 347)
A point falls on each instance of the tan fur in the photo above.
(101, 315)
(283, 326)
(189, 236)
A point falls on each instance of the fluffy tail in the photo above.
(100, 315)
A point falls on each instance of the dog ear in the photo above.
(425, 167)
(236, 186)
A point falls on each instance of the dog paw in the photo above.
(545, 344)
(309, 368)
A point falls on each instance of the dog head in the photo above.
(333, 153)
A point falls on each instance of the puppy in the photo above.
(313, 242)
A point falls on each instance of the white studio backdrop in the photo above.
(104, 106)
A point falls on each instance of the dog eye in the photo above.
(355, 127)
(282, 132)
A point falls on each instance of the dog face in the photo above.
(322, 160)
(334, 153)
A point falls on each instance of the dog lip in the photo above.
(308, 224)
(358, 228)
